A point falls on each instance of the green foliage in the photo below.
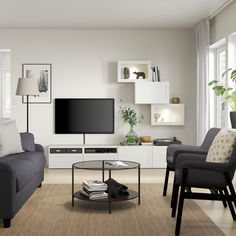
(227, 92)
(129, 115)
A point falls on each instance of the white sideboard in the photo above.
(63, 156)
(140, 154)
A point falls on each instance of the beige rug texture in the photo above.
(49, 212)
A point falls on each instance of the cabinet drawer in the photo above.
(57, 150)
(73, 150)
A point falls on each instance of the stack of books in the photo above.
(94, 189)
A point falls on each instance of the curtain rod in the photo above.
(220, 8)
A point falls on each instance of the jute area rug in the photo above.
(49, 212)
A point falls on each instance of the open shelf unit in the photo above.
(167, 114)
(133, 66)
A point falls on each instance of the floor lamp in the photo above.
(27, 87)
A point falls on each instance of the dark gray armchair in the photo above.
(191, 170)
(174, 150)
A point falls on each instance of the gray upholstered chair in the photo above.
(192, 170)
(174, 150)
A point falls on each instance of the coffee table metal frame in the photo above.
(87, 165)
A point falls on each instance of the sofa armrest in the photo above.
(7, 191)
(39, 148)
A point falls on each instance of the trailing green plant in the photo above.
(221, 90)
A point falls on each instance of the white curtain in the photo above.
(202, 33)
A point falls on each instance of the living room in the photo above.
(85, 47)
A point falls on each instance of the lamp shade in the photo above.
(27, 86)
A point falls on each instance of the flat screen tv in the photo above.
(84, 116)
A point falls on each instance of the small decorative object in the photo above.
(145, 139)
(157, 116)
(42, 73)
(139, 74)
(130, 116)
(175, 100)
(228, 93)
(126, 73)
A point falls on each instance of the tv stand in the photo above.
(83, 139)
(63, 156)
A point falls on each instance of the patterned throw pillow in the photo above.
(222, 146)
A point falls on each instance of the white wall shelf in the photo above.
(152, 93)
(168, 114)
(133, 66)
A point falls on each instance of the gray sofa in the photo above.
(20, 175)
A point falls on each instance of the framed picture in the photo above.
(43, 74)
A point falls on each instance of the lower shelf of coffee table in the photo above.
(132, 195)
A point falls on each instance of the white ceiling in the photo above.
(105, 13)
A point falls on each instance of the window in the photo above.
(217, 108)
(5, 83)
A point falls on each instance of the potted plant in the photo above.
(130, 116)
(229, 93)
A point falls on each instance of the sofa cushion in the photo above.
(27, 142)
(10, 141)
(25, 166)
(222, 146)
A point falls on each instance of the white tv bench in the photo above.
(63, 156)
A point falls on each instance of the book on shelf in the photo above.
(94, 189)
(98, 196)
(146, 143)
(116, 163)
(93, 183)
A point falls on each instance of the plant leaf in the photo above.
(219, 90)
(212, 82)
(233, 75)
(225, 72)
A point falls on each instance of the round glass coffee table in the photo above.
(109, 166)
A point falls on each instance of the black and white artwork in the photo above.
(43, 74)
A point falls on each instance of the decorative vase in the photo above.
(131, 137)
(175, 100)
(126, 73)
(233, 119)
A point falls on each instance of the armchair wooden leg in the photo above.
(232, 211)
(223, 201)
(166, 181)
(173, 194)
(40, 185)
(232, 191)
(181, 202)
(175, 199)
(231, 187)
(6, 223)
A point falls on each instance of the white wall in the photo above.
(223, 24)
(84, 65)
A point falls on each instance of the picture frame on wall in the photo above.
(43, 74)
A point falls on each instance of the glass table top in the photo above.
(107, 164)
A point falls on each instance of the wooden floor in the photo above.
(219, 215)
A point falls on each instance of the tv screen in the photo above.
(84, 116)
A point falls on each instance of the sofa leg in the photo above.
(40, 185)
(6, 223)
